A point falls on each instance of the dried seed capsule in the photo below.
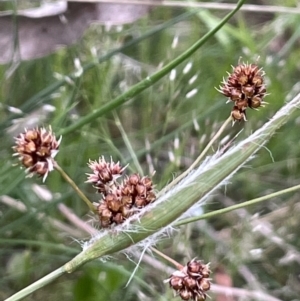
(104, 173)
(36, 149)
(237, 114)
(245, 87)
(191, 282)
(119, 200)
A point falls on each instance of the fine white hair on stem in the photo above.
(270, 152)
(198, 178)
(137, 265)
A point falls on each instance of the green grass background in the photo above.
(151, 123)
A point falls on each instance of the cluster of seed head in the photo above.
(192, 281)
(245, 87)
(36, 149)
(120, 200)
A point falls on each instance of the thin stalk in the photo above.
(235, 207)
(149, 80)
(75, 187)
(37, 285)
(37, 243)
(211, 142)
(197, 161)
(166, 257)
(128, 144)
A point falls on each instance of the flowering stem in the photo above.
(75, 187)
(170, 207)
(174, 262)
(237, 206)
(160, 215)
(200, 157)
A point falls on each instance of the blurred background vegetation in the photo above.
(165, 128)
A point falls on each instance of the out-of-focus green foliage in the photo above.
(167, 129)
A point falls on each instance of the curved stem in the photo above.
(75, 187)
(237, 206)
(152, 79)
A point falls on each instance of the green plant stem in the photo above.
(161, 215)
(75, 187)
(235, 207)
(37, 243)
(44, 94)
(36, 285)
(174, 262)
(197, 161)
(128, 144)
(173, 206)
(193, 189)
(149, 80)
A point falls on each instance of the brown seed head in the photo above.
(205, 284)
(120, 200)
(140, 202)
(192, 281)
(104, 173)
(245, 88)
(134, 179)
(36, 149)
(113, 203)
(177, 282)
(238, 114)
(118, 218)
(185, 294)
(140, 189)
